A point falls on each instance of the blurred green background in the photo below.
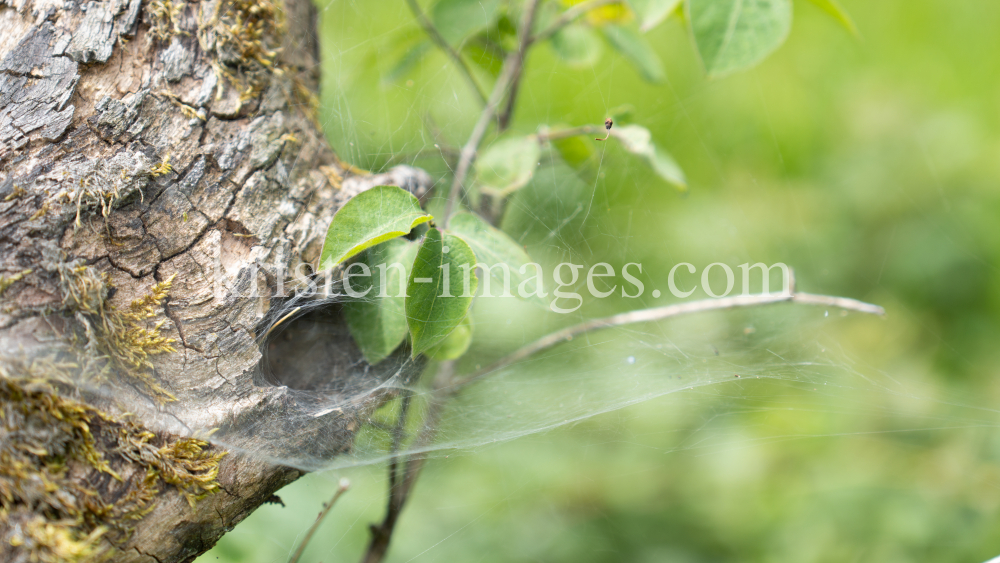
(871, 165)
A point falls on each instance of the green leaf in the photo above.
(651, 13)
(437, 303)
(488, 58)
(622, 113)
(837, 12)
(614, 12)
(579, 154)
(636, 51)
(371, 217)
(733, 35)
(577, 46)
(575, 151)
(637, 140)
(407, 61)
(377, 323)
(508, 164)
(493, 248)
(458, 19)
(455, 344)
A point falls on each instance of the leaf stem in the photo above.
(511, 68)
(442, 43)
(666, 312)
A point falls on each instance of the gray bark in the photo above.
(94, 98)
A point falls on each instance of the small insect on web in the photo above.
(607, 125)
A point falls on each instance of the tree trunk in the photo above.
(159, 160)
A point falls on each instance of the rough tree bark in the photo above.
(147, 148)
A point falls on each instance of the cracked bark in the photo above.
(89, 94)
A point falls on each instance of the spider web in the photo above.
(382, 106)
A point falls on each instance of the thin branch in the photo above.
(511, 68)
(666, 312)
(443, 44)
(567, 17)
(382, 533)
(570, 16)
(527, 40)
(400, 488)
(508, 110)
(398, 433)
(341, 489)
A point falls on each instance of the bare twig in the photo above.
(398, 433)
(511, 69)
(503, 122)
(400, 486)
(570, 16)
(517, 68)
(443, 44)
(546, 136)
(341, 489)
(382, 533)
(567, 17)
(660, 313)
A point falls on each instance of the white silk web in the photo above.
(389, 98)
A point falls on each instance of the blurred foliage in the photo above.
(869, 164)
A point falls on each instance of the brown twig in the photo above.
(382, 533)
(399, 489)
(511, 68)
(503, 122)
(412, 464)
(341, 489)
(567, 17)
(443, 44)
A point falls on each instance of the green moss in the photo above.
(53, 505)
(162, 18)
(245, 37)
(251, 30)
(115, 342)
(7, 281)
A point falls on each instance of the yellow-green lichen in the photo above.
(164, 167)
(15, 193)
(163, 18)
(245, 37)
(53, 505)
(115, 341)
(106, 183)
(7, 281)
(307, 101)
(252, 29)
